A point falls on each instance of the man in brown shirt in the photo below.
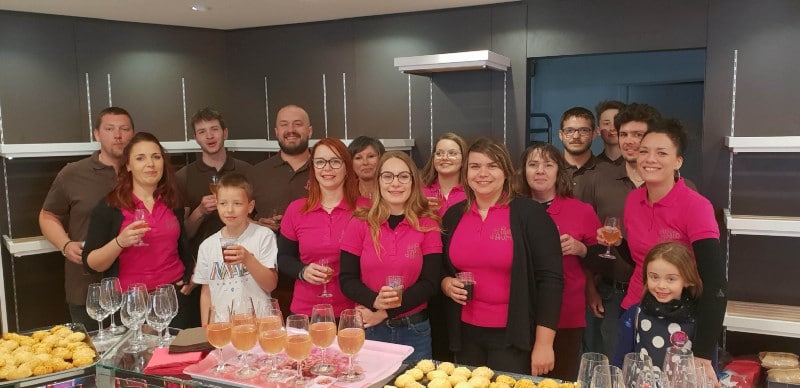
(606, 110)
(78, 187)
(194, 179)
(282, 179)
(576, 133)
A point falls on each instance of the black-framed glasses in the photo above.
(388, 177)
(449, 154)
(320, 163)
(584, 131)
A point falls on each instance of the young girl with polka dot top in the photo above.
(666, 313)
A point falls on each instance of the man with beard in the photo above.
(577, 132)
(606, 191)
(194, 179)
(282, 179)
(78, 187)
(606, 110)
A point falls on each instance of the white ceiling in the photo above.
(231, 14)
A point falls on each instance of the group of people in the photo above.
(343, 219)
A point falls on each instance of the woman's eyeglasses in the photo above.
(388, 177)
(320, 163)
(449, 154)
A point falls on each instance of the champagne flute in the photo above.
(351, 339)
(325, 263)
(323, 331)
(96, 310)
(218, 332)
(588, 362)
(612, 234)
(298, 343)
(271, 336)
(140, 214)
(634, 364)
(244, 334)
(607, 376)
(111, 299)
(170, 311)
(213, 185)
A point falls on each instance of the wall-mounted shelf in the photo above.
(762, 225)
(42, 150)
(27, 246)
(763, 144)
(761, 318)
(467, 60)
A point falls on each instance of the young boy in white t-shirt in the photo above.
(249, 267)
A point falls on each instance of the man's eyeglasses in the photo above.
(320, 163)
(585, 131)
(449, 154)
(388, 177)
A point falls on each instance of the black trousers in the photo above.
(487, 346)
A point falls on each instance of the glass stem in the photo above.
(113, 324)
(220, 363)
(350, 365)
(100, 328)
(323, 355)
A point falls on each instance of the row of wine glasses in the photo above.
(104, 299)
(262, 322)
(679, 370)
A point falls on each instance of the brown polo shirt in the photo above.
(603, 158)
(193, 181)
(276, 184)
(77, 189)
(580, 176)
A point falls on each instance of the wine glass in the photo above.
(298, 343)
(96, 310)
(607, 376)
(169, 311)
(634, 364)
(351, 339)
(244, 334)
(612, 234)
(325, 263)
(268, 314)
(588, 362)
(652, 379)
(218, 332)
(111, 299)
(679, 367)
(130, 315)
(155, 315)
(322, 330)
(271, 336)
(213, 185)
(140, 214)
(141, 307)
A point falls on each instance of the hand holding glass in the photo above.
(611, 234)
(329, 274)
(140, 214)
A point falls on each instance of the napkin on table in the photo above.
(190, 340)
(164, 363)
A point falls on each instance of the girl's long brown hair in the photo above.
(429, 173)
(350, 184)
(498, 153)
(415, 208)
(122, 195)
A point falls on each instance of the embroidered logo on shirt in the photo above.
(413, 251)
(501, 234)
(222, 271)
(667, 234)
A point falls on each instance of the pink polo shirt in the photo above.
(683, 215)
(157, 263)
(401, 252)
(578, 220)
(455, 195)
(485, 248)
(319, 235)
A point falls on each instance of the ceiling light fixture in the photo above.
(199, 8)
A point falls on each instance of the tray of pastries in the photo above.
(45, 354)
(431, 374)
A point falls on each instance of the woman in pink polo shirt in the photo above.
(312, 229)
(397, 236)
(665, 209)
(441, 176)
(511, 246)
(543, 176)
(154, 251)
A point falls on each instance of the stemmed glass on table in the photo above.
(140, 214)
(325, 263)
(132, 315)
(111, 299)
(633, 365)
(612, 234)
(271, 335)
(351, 339)
(159, 309)
(679, 367)
(218, 332)
(588, 362)
(607, 376)
(95, 309)
(168, 311)
(323, 331)
(298, 343)
(244, 334)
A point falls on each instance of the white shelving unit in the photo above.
(762, 318)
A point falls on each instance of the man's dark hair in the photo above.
(112, 110)
(579, 112)
(637, 112)
(605, 105)
(208, 114)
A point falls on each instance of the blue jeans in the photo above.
(601, 333)
(416, 335)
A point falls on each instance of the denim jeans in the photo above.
(416, 335)
(601, 333)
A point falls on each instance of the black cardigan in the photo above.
(104, 226)
(537, 278)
